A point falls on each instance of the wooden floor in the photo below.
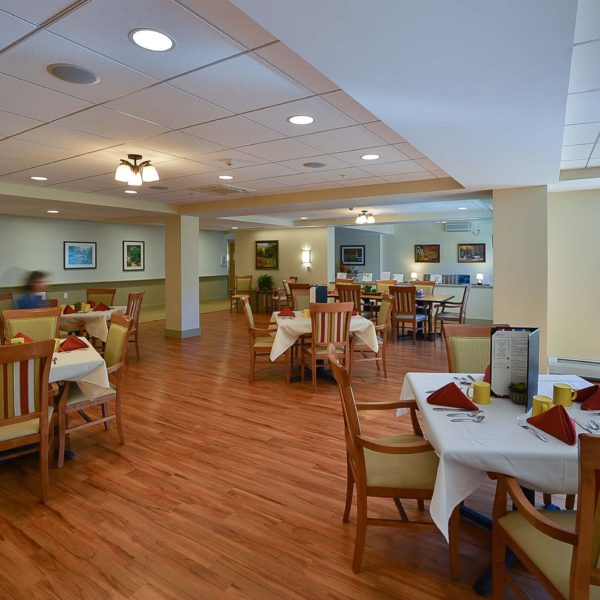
(223, 490)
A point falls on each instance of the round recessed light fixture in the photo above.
(462, 208)
(314, 165)
(73, 74)
(149, 39)
(226, 177)
(38, 178)
(52, 212)
(130, 191)
(370, 156)
(300, 120)
(235, 227)
(303, 218)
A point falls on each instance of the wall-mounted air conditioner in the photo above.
(457, 226)
(589, 369)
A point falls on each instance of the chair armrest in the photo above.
(408, 448)
(382, 327)
(114, 367)
(259, 331)
(386, 405)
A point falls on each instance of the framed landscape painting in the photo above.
(427, 253)
(352, 255)
(133, 256)
(266, 254)
(79, 255)
(471, 253)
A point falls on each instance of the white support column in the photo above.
(330, 254)
(182, 272)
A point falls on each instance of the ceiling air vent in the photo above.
(457, 226)
(220, 190)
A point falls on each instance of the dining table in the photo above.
(428, 301)
(95, 322)
(468, 450)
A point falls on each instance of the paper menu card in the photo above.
(367, 277)
(385, 275)
(398, 277)
(341, 276)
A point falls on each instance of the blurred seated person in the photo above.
(35, 283)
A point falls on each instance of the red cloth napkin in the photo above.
(590, 397)
(487, 376)
(354, 313)
(26, 338)
(287, 312)
(72, 343)
(101, 306)
(451, 395)
(557, 423)
(92, 303)
(69, 310)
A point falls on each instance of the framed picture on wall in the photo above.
(352, 255)
(266, 254)
(133, 256)
(79, 255)
(471, 253)
(427, 253)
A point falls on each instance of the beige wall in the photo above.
(291, 242)
(521, 260)
(574, 274)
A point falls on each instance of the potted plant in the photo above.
(265, 282)
(518, 393)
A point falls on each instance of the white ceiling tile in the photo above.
(583, 108)
(8, 164)
(180, 144)
(297, 68)
(234, 132)
(112, 124)
(360, 181)
(325, 117)
(12, 28)
(427, 164)
(329, 185)
(585, 133)
(105, 27)
(11, 123)
(409, 150)
(579, 152)
(573, 164)
(90, 184)
(241, 84)
(299, 179)
(386, 154)
(587, 24)
(346, 174)
(23, 61)
(339, 140)
(270, 185)
(281, 150)
(230, 19)
(585, 68)
(329, 161)
(77, 142)
(593, 162)
(596, 151)
(388, 169)
(36, 12)
(177, 167)
(440, 174)
(387, 134)
(260, 172)
(221, 159)
(409, 177)
(349, 106)
(169, 106)
(116, 153)
(29, 100)
(18, 148)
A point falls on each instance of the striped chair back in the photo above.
(404, 298)
(300, 293)
(134, 304)
(349, 292)
(101, 295)
(331, 323)
(37, 323)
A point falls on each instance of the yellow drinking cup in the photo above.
(479, 392)
(306, 313)
(564, 394)
(540, 405)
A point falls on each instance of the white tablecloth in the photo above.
(289, 330)
(95, 321)
(85, 366)
(467, 451)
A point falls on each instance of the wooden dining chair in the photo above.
(101, 295)
(451, 312)
(134, 304)
(242, 289)
(300, 294)
(37, 323)
(73, 400)
(398, 467)
(405, 310)
(350, 292)
(560, 548)
(293, 279)
(428, 287)
(382, 327)
(383, 285)
(330, 324)
(26, 418)
(6, 302)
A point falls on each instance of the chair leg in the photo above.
(383, 359)
(414, 332)
(361, 529)
(137, 343)
(314, 372)
(547, 499)
(62, 435)
(252, 366)
(349, 491)
(44, 475)
(104, 415)
(119, 419)
(453, 528)
(570, 502)
(421, 505)
(498, 558)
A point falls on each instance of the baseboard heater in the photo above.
(589, 369)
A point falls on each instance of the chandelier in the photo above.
(133, 173)
(365, 217)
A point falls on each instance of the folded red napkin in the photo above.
(287, 312)
(26, 338)
(72, 343)
(487, 376)
(451, 395)
(557, 423)
(92, 303)
(590, 397)
(101, 306)
(69, 310)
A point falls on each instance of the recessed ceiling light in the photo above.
(462, 208)
(52, 212)
(73, 74)
(130, 191)
(303, 218)
(149, 39)
(314, 165)
(234, 227)
(370, 156)
(226, 177)
(300, 120)
(38, 178)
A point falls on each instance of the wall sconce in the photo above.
(479, 278)
(413, 276)
(305, 258)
